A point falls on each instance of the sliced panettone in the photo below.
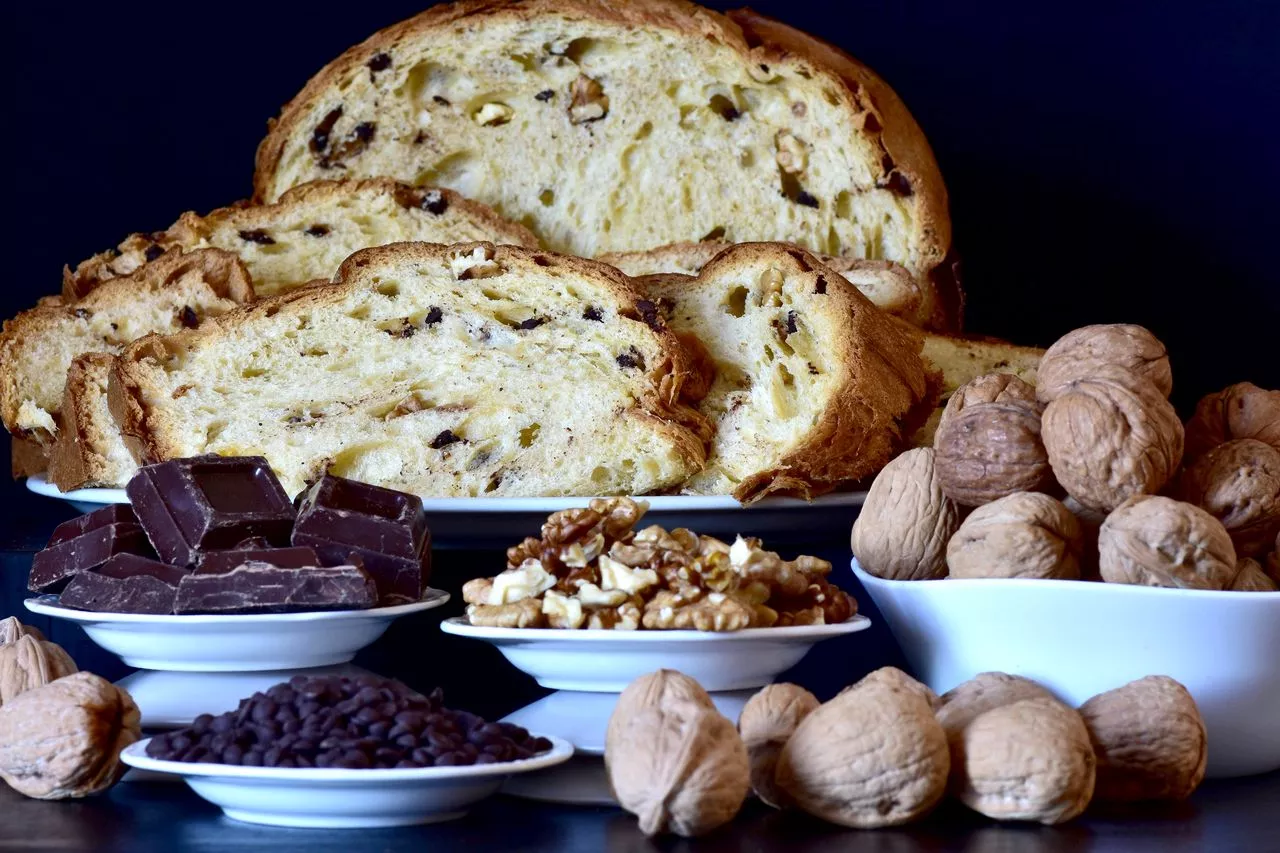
(885, 283)
(610, 126)
(90, 451)
(309, 232)
(175, 291)
(815, 387)
(466, 370)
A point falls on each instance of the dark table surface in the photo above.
(1228, 815)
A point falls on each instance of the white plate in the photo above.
(244, 643)
(1080, 638)
(344, 799)
(607, 661)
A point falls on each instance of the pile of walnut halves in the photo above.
(1087, 475)
(61, 731)
(593, 569)
(887, 750)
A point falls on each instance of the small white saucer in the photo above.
(242, 643)
(607, 661)
(331, 798)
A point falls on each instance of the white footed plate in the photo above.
(607, 661)
(240, 643)
(332, 798)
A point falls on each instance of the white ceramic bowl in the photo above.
(1081, 638)
(247, 643)
(344, 799)
(607, 661)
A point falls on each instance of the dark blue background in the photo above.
(1109, 162)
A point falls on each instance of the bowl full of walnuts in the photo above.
(1079, 533)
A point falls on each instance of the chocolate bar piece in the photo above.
(142, 593)
(100, 539)
(208, 502)
(111, 514)
(385, 528)
(217, 562)
(125, 566)
(264, 588)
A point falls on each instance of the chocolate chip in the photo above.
(153, 251)
(320, 136)
(82, 313)
(364, 131)
(434, 315)
(791, 322)
(419, 138)
(531, 323)
(257, 235)
(188, 317)
(631, 358)
(379, 62)
(443, 440)
(593, 314)
(803, 197)
(435, 202)
(441, 101)
(545, 95)
(318, 230)
(649, 313)
(813, 371)
(821, 285)
(897, 183)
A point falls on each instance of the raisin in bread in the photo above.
(615, 126)
(885, 283)
(815, 388)
(309, 232)
(466, 370)
(90, 451)
(173, 292)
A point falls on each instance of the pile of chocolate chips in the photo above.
(357, 723)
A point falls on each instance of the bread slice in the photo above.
(175, 291)
(308, 233)
(466, 370)
(815, 388)
(610, 126)
(888, 285)
(89, 451)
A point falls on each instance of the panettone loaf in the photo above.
(609, 126)
(173, 292)
(309, 232)
(466, 370)
(814, 386)
(90, 450)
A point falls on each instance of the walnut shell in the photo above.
(873, 756)
(1242, 410)
(678, 767)
(30, 663)
(1110, 437)
(1272, 568)
(1080, 353)
(64, 739)
(655, 690)
(767, 722)
(1238, 483)
(986, 690)
(1251, 577)
(989, 450)
(1028, 760)
(1023, 535)
(990, 388)
(1149, 739)
(894, 678)
(902, 530)
(1151, 540)
(11, 630)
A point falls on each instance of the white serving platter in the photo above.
(1081, 638)
(598, 661)
(235, 643)
(332, 798)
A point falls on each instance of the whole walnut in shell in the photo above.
(1080, 353)
(767, 722)
(1151, 540)
(11, 630)
(1272, 568)
(989, 450)
(905, 522)
(1251, 577)
(1028, 760)
(1110, 437)
(29, 663)
(1149, 739)
(873, 756)
(896, 679)
(659, 688)
(989, 388)
(64, 739)
(1238, 483)
(1023, 535)
(678, 767)
(1242, 410)
(986, 690)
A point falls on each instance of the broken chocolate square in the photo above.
(209, 502)
(70, 552)
(384, 528)
(141, 593)
(219, 562)
(112, 514)
(124, 566)
(264, 588)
